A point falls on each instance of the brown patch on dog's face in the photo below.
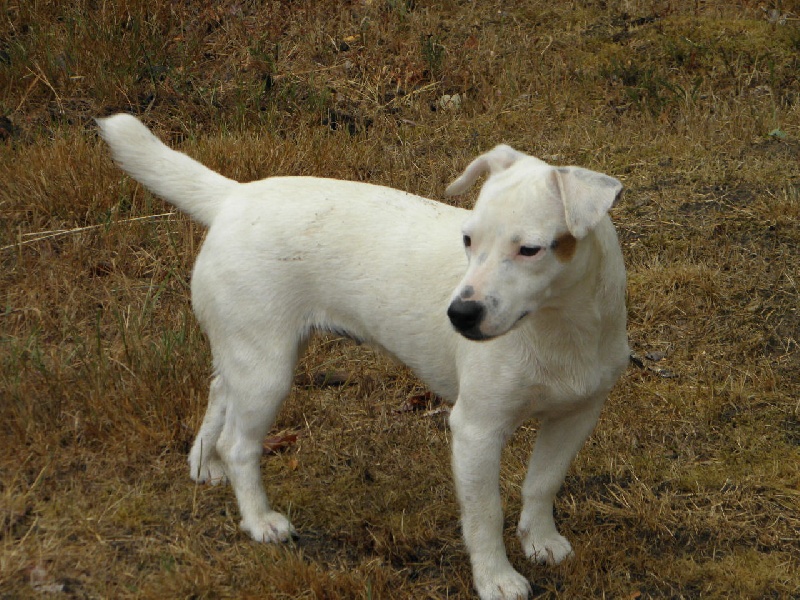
(564, 247)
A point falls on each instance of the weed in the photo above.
(433, 54)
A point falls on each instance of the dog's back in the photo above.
(303, 254)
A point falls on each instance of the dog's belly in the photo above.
(421, 343)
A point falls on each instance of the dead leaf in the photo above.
(437, 411)
(660, 371)
(419, 402)
(41, 582)
(664, 373)
(280, 442)
(331, 378)
(637, 360)
(448, 102)
(323, 379)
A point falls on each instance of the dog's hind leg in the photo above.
(205, 464)
(558, 441)
(252, 391)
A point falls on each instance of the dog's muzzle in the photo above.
(466, 317)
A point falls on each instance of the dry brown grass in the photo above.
(690, 486)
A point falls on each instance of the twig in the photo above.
(549, 43)
(424, 88)
(41, 76)
(309, 72)
(44, 235)
(28, 91)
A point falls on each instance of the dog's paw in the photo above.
(210, 471)
(503, 585)
(271, 528)
(550, 550)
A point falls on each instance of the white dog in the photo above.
(536, 309)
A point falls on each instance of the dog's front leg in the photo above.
(477, 446)
(558, 441)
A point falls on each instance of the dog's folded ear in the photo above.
(498, 159)
(587, 196)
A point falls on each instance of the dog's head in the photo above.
(523, 236)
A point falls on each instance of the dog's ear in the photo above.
(587, 196)
(498, 159)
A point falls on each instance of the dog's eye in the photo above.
(529, 250)
(467, 241)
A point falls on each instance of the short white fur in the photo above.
(287, 256)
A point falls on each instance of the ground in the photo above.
(690, 485)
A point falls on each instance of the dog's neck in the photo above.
(575, 286)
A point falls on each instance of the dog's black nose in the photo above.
(465, 315)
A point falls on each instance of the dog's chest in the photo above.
(557, 381)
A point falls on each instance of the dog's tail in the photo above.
(178, 179)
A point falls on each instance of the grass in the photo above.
(689, 487)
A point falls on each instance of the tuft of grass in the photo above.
(688, 487)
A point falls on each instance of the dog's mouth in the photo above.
(476, 335)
